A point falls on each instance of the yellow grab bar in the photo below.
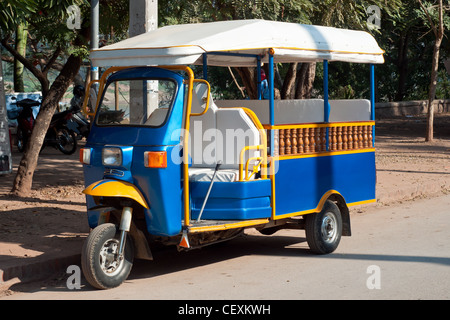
(241, 162)
(255, 167)
(263, 147)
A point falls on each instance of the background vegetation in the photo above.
(405, 35)
(41, 53)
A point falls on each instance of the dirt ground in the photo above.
(53, 218)
(48, 222)
(407, 166)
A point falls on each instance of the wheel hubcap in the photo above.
(109, 257)
(329, 228)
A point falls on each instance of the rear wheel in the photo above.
(66, 141)
(100, 261)
(324, 229)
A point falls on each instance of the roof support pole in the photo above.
(372, 99)
(258, 76)
(271, 100)
(326, 104)
(205, 66)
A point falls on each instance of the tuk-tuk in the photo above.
(167, 163)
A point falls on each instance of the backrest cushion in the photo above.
(202, 130)
(234, 131)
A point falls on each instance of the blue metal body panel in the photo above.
(232, 200)
(300, 183)
(161, 188)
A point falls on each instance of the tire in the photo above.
(100, 247)
(21, 140)
(324, 229)
(66, 141)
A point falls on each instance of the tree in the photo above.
(21, 47)
(47, 22)
(438, 31)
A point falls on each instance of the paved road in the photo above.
(396, 252)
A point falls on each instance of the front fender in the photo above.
(116, 188)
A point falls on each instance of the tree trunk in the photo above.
(24, 178)
(248, 77)
(432, 91)
(439, 35)
(21, 47)
(402, 67)
(287, 91)
(306, 76)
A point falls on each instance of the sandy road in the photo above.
(396, 252)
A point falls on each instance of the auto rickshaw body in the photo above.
(165, 162)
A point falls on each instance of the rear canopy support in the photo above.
(372, 99)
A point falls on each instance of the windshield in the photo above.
(137, 102)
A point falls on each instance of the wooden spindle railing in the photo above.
(307, 139)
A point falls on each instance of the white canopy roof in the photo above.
(185, 44)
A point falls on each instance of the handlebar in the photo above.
(27, 103)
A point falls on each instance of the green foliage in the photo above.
(46, 19)
(79, 51)
(49, 22)
(408, 41)
(196, 11)
(337, 13)
(349, 14)
(13, 12)
(432, 9)
(443, 85)
(114, 19)
(405, 35)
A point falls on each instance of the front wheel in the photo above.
(100, 261)
(324, 229)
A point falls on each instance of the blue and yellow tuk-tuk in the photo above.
(165, 162)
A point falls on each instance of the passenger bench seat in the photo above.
(227, 132)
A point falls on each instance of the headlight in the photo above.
(112, 157)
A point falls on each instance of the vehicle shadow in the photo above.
(168, 260)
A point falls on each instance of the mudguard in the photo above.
(116, 188)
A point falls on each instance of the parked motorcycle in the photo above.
(25, 121)
(58, 135)
(78, 123)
